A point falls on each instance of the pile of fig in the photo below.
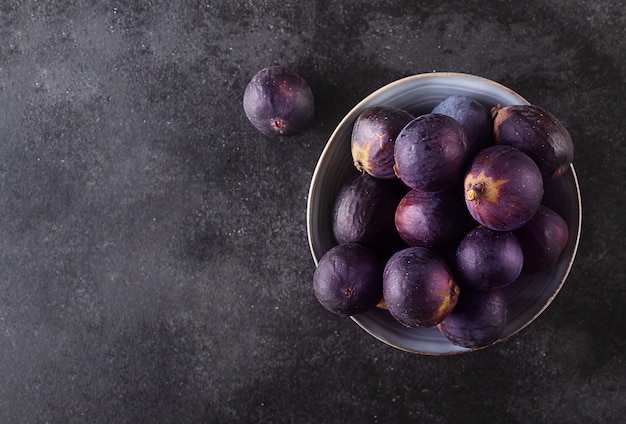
(445, 212)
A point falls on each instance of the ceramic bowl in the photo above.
(528, 297)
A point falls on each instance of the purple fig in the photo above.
(473, 116)
(434, 220)
(364, 212)
(348, 279)
(431, 153)
(536, 132)
(277, 101)
(487, 259)
(543, 238)
(503, 188)
(478, 319)
(418, 287)
(374, 137)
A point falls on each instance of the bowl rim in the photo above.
(350, 116)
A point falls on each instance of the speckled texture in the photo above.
(154, 265)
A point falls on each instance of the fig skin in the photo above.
(474, 117)
(488, 259)
(374, 138)
(278, 102)
(543, 238)
(434, 220)
(364, 212)
(348, 279)
(418, 287)
(431, 153)
(536, 132)
(503, 188)
(478, 319)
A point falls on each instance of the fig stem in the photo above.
(495, 110)
(473, 193)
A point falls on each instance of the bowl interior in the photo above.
(418, 94)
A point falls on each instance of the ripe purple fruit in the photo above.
(473, 116)
(536, 132)
(364, 212)
(418, 287)
(348, 279)
(434, 220)
(374, 137)
(430, 153)
(478, 319)
(277, 101)
(503, 188)
(543, 238)
(487, 259)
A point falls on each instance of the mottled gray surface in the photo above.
(154, 264)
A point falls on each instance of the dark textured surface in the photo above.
(154, 264)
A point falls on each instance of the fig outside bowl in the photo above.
(527, 298)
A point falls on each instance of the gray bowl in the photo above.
(527, 298)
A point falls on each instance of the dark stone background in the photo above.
(154, 264)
